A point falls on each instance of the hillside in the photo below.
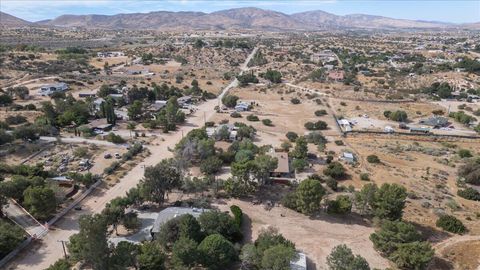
(238, 18)
(11, 21)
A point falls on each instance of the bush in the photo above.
(291, 136)
(464, 153)
(335, 170)
(267, 122)
(230, 101)
(341, 205)
(113, 138)
(320, 112)
(399, 116)
(373, 159)
(471, 172)
(252, 118)
(451, 224)
(339, 142)
(237, 215)
(235, 115)
(331, 183)
(319, 125)
(364, 177)
(216, 252)
(295, 101)
(469, 194)
(110, 169)
(15, 119)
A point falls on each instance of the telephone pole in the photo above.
(63, 246)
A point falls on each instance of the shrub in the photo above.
(291, 136)
(113, 138)
(464, 153)
(373, 159)
(235, 115)
(335, 170)
(339, 142)
(469, 194)
(320, 112)
(267, 122)
(471, 172)
(110, 169)
(252, 118)
(230, 101)
(295, 101)
(319, 125)
(341, 205)
(451, 224)
(331, 183)
(15, 119)
(364, 177)
(237, 215)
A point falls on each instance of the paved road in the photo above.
(51, 250)
(22, 218)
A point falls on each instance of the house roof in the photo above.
(300, 263)
(435, 121)
(348, 155)
(283, 162)
(173, 212)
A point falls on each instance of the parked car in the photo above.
(107, 156)
(117, 156)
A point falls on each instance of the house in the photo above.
(183, 101)
(63, 187)
(345, 124)
(284, 168)
(49, 89)
(171, 213)
(98, 104)
(242, 107)
(99, 125)
(215, 132)
(435, 121)
(156, 107)
(300, 263)
(348, 157)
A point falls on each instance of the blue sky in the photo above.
(447, 11)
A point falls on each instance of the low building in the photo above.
(349, 157)
(242, 107)
(300, 263)
(336, 75)
(99, 125)
(49, 89)
(171, 213)
(284, 168)
(183, 101)
(435, 122)
(389, 129)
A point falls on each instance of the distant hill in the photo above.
(238, 18)
(11, 21)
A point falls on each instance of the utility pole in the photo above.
(204, 118)
(63, 246)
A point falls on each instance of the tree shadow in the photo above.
(346, 219)
(431, 234)
(247, 229)
(440, 264)
(310, 264)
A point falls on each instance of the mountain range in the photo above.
(233, 19)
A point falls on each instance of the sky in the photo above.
(446, 11)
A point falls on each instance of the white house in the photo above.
(49, 89)
(242, 107)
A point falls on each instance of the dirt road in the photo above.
(50, 250)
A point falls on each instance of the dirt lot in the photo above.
(316, 237)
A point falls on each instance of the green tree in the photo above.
(90, 243)
(342, 258)
(335, 170)
(135, 110)
(216, 252)
(211, 165)
(301, 148)
(151, 257)
(40, 202)
(451, 224)
(159, 180)
(184, 253)
(124, 255)
(341, 205)
(390, 201)
(61, 264)
(273, 75)
(415, 255)
(10, 237)
(214, 222)
(230, 100)
(264, 164)
(278, 257)
(391, 234)
(309, 194)
(291, 136)
(365, 199)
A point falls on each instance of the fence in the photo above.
(431, 135)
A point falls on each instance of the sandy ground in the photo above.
(42, 256)
(314, 236)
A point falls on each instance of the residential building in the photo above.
(171, 213)
(300, 263)
(348, 157)
(435, 121)
(49, 89)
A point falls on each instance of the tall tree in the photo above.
(342, 258)
(40, 201)
(159, 180)
(90, 243)
(309, 194)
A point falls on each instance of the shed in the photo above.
(173, 212)
(348, 157)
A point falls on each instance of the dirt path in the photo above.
(50, 250)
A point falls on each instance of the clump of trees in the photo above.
(230, 100)
(462, 117)
(470, 172)
(398, 116)
(247, 78)
(319, 125)
(269, 251)
(469, 194)
(335, 170)
(342, 258)
(451, 224)
(373, 159)
(320, 112)
(273, 75)
(441, 90)
(306, 198)
(401, 243)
